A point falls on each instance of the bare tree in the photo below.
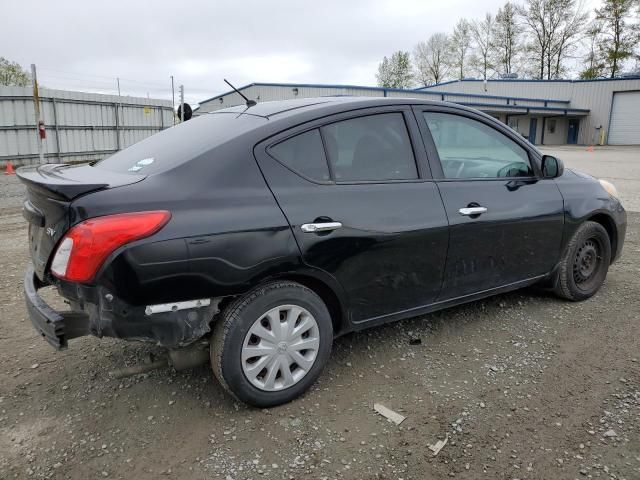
(594, 67)
(618, 34)
(395, 72)
(460, 44)
(431, 59)
(554, 28)
(507, 39)
(571, 31)
(11, 73)
(482, 32)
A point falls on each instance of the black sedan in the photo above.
(265, 231)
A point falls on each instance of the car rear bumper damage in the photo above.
(57, 328)
(102, 314)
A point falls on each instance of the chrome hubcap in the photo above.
(280, 348)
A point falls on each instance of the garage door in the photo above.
(624, 128)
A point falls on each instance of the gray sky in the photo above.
(84, 45)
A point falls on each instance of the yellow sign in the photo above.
(147, 110)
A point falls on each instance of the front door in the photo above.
(533, 127)
(358, 197)
(572, 132)
(505, 222)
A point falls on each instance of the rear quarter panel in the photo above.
(226, 231)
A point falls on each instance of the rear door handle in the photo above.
(320, 227)
(470, 211)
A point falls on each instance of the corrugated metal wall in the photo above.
(596, 96)
(555, 90)
(80, 126)
(265, 93)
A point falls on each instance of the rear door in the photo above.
(506, 222)
(359, 197)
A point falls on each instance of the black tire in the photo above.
(585, 263)
(237, 318)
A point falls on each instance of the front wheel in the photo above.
(585, 263)
(270, 345)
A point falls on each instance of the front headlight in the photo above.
(609, 187)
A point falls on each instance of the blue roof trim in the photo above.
(516, 80)
(437, 84)
(501, 97)
(524, 107)
(310, 85)
(382, 89)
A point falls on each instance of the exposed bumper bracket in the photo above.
(55, 327)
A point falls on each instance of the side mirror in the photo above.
(552, 167)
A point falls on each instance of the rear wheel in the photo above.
(585, 263)
(270, 345)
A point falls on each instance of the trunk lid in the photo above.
(50, 190)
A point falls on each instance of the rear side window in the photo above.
(176, 145)
(371, 148)
(304, 154)
(470, 149)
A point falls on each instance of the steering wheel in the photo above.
(506, 170)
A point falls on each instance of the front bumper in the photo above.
(57, 328)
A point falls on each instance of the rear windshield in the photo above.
(176, 145)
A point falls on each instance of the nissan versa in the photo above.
(268, 230)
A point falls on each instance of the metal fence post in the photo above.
(115, 106)
(55, 124)
(36, 107)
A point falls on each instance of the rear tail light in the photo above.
(86, 246)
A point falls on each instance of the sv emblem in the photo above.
(50, 231)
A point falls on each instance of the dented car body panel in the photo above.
(236, 222)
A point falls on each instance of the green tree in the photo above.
(619, 34)
(11, 73)
(395, 72)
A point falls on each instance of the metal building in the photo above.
(79, 126)
(547, 112)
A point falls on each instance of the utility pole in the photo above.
(181, 103)
(118, 80)
(38, 118)
(173, 101)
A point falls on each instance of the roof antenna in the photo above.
(248, 103)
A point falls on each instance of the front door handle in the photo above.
(320, 227)
(471, 211)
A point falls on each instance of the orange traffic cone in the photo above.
(590, 149)
(9, 170)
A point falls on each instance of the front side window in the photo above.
(371, 148)
(304, 154)
(470, 149)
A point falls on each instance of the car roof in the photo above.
(283, 108)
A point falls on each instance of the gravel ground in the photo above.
(522, 385)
